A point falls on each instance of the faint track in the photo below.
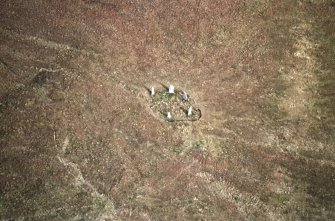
(244, 201)
(44, 43)
(302, 78)
(109, 212)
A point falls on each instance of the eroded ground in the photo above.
(79, 140)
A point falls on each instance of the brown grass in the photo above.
(79, 140)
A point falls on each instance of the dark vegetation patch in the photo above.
(324, 103)
(317, 181)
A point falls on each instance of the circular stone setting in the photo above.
(163, 102)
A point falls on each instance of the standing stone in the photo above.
(171, 89)
(152, 91)
(189, 112)
(184, 96)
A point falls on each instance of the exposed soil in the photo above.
(82, 139)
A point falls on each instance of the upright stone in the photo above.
(152, 91)
(171, 89)
(189, 112)
(184, 96)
